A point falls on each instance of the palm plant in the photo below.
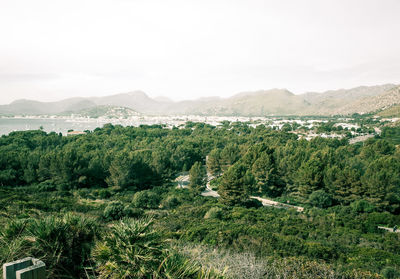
(132, 249)
(177, 266)
(12, 244)
(63, 243)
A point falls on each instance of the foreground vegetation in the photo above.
(105, 205)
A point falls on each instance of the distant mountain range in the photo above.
(363, 99)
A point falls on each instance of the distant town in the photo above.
(356, 128)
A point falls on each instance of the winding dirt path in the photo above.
(208, 192)
(267, 202)
(389, 229)
(183, 181)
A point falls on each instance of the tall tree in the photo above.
(119, 172)
(266, 176)
(229, 155)
(214, 162)
(235, 185)
(197, 177)
(310, 175)
(382, 182)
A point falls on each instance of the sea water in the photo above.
(8, 125)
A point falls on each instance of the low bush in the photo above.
(114, 211)
(104, 194)
(214, 213)
(146, 199)
(46, 186)
(132, 212)
(361, 206)
(170, 202)
(320, 199)
(390, 273)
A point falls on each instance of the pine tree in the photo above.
(214, 162)
(229, 155)
(266, 176)
(197, 177)
(382, 181)
(234, 185)
(119, 172)
(310, 175)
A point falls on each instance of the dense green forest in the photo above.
(105, 204)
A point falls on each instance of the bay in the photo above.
(8, 125)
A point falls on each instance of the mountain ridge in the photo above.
(361, 99)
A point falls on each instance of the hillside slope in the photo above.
(363, 99)
(136, 100)
(103, 111)
(259, 103)
(393, 111)
(372, 104)
(34, 107)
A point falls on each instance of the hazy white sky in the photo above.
(53, 49)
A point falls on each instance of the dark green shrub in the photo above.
(170, 202)
(319, 251)
(361, 206)
(146, 199)
(63, 186)
(132, 212)
(320, 199)
(252, 203)
(113, 211)
(64, 194)
(46, 186)
(84, 193)
(290, 230)
(390, 273)
(104, 194)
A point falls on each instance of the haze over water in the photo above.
(8, 125)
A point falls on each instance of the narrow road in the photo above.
(183, 181)
(267, 202)
(208, 192)
(389, 229)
